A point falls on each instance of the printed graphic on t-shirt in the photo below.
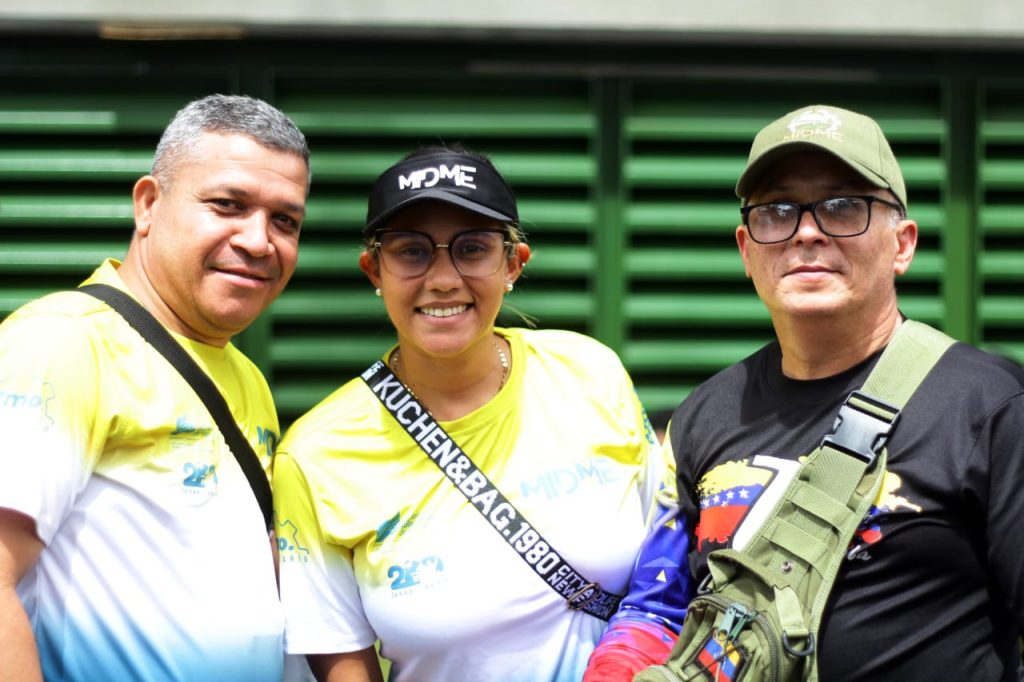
(290, 549)
(878, 521)
(736, 497)
(27, 405)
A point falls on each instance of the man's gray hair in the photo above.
(227, 114)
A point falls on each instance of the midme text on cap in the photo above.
(855, 139)
(453, 177)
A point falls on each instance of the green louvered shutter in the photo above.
(71, 149)
(1001, 223)
(690, 310)
(627, 175)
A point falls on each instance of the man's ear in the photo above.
(370, 267)
(906, 246)
(144, 197)
(742, 242)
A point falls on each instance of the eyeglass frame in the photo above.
(811, 207)
(507, 245)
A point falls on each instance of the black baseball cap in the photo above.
(455, 177)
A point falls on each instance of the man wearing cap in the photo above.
(933, 584)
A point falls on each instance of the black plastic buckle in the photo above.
(860, 432)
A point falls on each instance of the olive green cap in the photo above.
(853, 138)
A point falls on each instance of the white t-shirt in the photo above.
(156, 565)
(379, 544)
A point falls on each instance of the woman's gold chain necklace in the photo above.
(502, 358)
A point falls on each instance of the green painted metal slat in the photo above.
(707, 125)
(540, 215)
(683, 263)
(336, 305)
(62, 257)
(102, 106)
(553, 307)
(72, 211)
(73, 164)
(560, 261)
(1005, 311)
(664, 398)
(1002, 173)
(414, 107)
(295, 397)
(712, 171)
(445, 123)
(705, 355)
(517, 168)
(49, 121)
(1002, 267)
(690, 308)
(1001, 220)
(680, 219)
(683, 171)
(14, 297)
(537, 215)
(928, 309)
(315, 352)
(1003, 131)
(1008, 349)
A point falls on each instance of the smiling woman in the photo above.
(376, 479)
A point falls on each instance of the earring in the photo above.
(509, 287)
(376, 292)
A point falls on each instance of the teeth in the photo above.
(444, 312)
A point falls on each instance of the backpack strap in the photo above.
(803, 543)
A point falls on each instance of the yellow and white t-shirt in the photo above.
(376, 542)
(157, 565)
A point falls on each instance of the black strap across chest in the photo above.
(154, 333)
(510, 524)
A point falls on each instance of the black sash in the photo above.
(580, 594)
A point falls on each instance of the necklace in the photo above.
(502, 358)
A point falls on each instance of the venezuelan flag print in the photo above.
(871, 529)
(739, 493)
(721, 660)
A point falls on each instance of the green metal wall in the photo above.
(624, 162)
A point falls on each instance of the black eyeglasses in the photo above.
(475, 253)
(778, 221)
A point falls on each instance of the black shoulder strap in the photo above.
(152, 331)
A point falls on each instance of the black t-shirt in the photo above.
(933, 588)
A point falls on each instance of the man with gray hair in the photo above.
(931, 585)
(131, 544)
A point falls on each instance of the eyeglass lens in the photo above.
(475, 253)
(837, 217)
